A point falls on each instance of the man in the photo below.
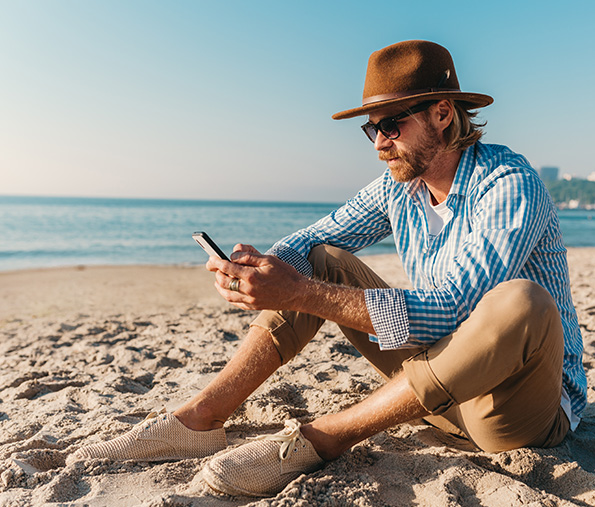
(487, 344)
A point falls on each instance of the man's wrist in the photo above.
(305, 293)
(337, 303)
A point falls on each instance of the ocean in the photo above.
(39, 232)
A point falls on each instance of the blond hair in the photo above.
(463, 130)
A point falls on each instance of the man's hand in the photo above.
(265, 282)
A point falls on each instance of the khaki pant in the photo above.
(497, 380)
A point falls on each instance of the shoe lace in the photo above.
(287, 437)
(151, 416)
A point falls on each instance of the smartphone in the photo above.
(209, 246)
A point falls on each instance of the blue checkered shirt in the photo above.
(503, 225)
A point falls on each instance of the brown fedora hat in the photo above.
(410, 72)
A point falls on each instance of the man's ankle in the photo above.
(322, 442)
(197, 419)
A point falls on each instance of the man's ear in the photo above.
(444, 114)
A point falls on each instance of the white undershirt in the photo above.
(437, 217)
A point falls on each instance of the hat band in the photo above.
(403, 95)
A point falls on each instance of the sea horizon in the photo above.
(172, 199)
(51, 231)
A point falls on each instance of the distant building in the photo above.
(591, 176)
(549, 173)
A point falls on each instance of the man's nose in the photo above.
(382, 142)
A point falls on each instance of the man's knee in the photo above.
(520, 299)
(317, 255)
(523, 315)
(323, 256)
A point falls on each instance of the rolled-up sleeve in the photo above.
(388, 313)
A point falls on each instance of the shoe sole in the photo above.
(219, 486)
(155, 459)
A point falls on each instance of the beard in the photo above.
(410, 164)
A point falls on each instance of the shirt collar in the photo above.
(464, 172)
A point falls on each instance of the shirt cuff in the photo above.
(388, 313)
(293, 258)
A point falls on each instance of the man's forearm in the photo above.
(344, 305)
(268, 283)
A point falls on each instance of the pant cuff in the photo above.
(283, 335)
(429, 391)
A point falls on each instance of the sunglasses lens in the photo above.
(370, 130)
(390, 128)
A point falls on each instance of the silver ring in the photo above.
(234, 285)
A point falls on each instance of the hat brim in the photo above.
(471, 100)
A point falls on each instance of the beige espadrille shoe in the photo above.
(263, 467)
(161, 436)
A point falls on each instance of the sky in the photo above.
(233, 99)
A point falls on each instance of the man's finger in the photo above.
(235, 298)
(249, 258)
(219, 265)
(213, 264)
(229, 295)
(222, 279)
(240, 247)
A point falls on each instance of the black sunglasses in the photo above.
(390, 126)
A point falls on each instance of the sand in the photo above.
(86, 352)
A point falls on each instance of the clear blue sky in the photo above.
(233, 100)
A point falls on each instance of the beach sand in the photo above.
(86, 352)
